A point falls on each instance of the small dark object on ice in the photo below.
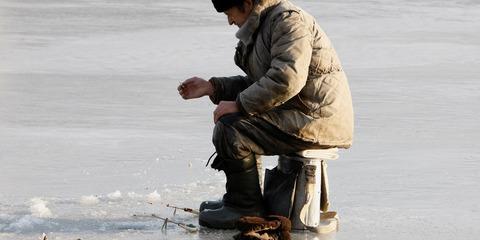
(269, 228)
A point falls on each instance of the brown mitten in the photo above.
(270, 228)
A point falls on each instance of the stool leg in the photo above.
(306, 211)
(258, 159)
(324, 201)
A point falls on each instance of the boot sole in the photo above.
(205, 224)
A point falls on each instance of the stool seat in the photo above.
(323, 154)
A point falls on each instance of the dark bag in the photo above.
(280, 187)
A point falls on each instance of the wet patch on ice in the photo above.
(31, 224)
(109, 212)
(24, 224)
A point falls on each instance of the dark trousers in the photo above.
(237, 137)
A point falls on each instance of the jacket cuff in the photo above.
(214, 97)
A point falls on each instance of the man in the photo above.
(295, 96)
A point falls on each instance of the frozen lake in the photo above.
(92, 130)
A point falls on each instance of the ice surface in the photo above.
(153, 197)
(134, 195)
(88, 107)
(89, 200)
(117, 195)
(38, 208)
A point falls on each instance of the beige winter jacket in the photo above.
(294, 78)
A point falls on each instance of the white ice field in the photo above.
(92, 130)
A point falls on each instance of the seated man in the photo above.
(295, 96)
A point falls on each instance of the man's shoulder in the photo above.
(287, 10)
(283, 6)
(287, 15)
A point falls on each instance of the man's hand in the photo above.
(195, 87)
(224, 107)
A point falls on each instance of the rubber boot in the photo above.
(210, 205)
(219, 203)
(243, 198)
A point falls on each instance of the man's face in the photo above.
(237, 16)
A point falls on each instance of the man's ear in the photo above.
(248, 5)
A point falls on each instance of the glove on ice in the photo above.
(269, 228)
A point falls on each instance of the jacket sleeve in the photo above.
(291, 51)
(227, 88)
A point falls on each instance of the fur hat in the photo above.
(224, 5)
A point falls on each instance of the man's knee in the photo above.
(224, 134)
(230, 118)
(231, 145)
